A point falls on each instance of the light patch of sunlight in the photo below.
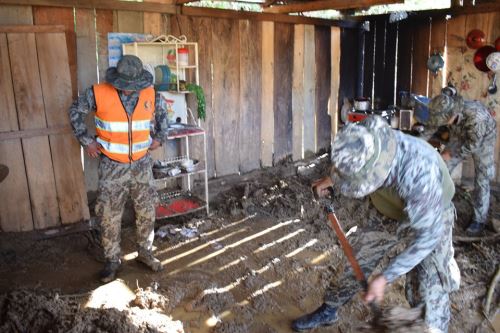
(133, 255)
(212, 321)
(266, 288)
(206, 234)
(302, 248)
(352, 231)
(115, 294)
(201, 247)
(278, 241)
(235, 244)
(233, 263)
(225, 314)
(271, 198)
(321, 257)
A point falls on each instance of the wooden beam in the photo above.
(335, 77)
(31, 133)
(167, 8)
(327, 4)
(31, 28)
(241, 15)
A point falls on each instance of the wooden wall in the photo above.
(406, 46)
(267, 84)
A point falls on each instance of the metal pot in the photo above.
(362, 104)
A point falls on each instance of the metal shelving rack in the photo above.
(154, 53)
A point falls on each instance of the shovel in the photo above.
(346, 247)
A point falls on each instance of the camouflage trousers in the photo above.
(118, 182)
(484, 169)
(429, 283)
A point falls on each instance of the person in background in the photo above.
(474, 127)
(408, 183)
(129, 123)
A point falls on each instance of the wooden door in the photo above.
(45, 187)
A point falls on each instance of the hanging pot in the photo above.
(362, 104)
(435, 63)
(475, 39)
(480, 57)
(493, 61)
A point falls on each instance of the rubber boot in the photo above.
(325, 315)
(109, 271)
(475, 229)
(147, 258)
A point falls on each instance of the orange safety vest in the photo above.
(123, 137)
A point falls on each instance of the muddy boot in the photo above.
(147, 258)
(475, 229)
(109, 271)
(325, 315)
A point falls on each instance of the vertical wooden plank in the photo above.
(87, 76)
(390, 64)
(16, 15)
(404, 61)
(380, 79)
(323, 80)
(267, 94)
(61, 16)
(310, 139)
(104, 25)
(438, 43)
(250, 108)
(421, 48)
(283, 58)
(30, 108)
(15, 210)
(86, 46)
(128, 21)
(57, 97)
(226, 90)
(369, 58)
(335, 79)
(298, 92)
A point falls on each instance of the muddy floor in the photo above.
(264, 257)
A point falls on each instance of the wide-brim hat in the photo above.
(442, 107)
(362, 156)
(129, 74)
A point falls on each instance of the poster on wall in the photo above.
(115, 41)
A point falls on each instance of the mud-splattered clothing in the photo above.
(118, 181)
(417, 178)
(476, 135)
(86, 103)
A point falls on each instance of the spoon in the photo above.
(492, 88)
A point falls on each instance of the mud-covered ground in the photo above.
(263, 258)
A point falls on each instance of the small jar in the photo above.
(183, 56)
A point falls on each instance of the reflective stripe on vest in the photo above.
(123, 137)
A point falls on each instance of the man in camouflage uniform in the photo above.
(475, 128)
(408, 182)
(119, 180)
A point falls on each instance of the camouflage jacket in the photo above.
(417, 178)
(86, 103)
(474, 124)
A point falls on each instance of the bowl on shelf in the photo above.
(189, 165)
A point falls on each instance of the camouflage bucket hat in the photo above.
(362, 156)
(442, 108)
(129, 74)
